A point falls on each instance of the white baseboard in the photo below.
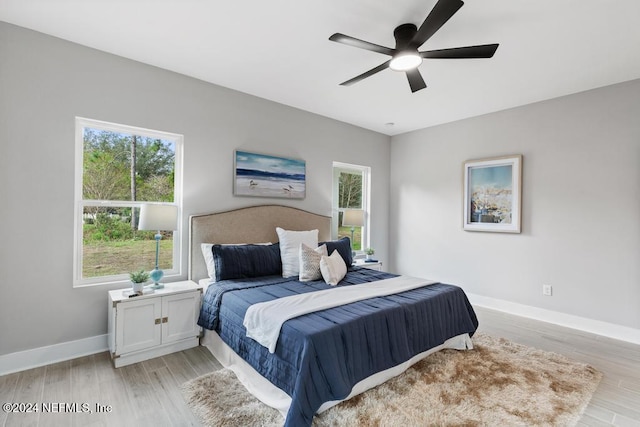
(22, 360)
(611, 330)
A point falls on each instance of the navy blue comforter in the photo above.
(320, 356)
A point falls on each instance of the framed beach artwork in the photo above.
(261, 175)
(492, 194)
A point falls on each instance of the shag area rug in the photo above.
(498, 383)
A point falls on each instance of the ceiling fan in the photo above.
(406, 57)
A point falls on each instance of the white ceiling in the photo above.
(279, 50)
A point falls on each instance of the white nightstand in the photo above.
(372, 265)
(153, 324)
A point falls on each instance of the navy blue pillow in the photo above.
(343, 246)
(244, 261)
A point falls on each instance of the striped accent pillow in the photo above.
(310, 262)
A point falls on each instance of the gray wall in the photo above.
(45, 82)
(581, 204)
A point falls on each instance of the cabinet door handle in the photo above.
(165, 319)
(158, 320)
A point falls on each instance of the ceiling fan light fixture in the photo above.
(405, 61)
(409, 38)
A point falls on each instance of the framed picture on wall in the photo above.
(493, 194)
(262, 175)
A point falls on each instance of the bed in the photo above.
(326, 355)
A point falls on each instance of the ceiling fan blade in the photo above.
(415, 80)
(352, 41)
(481, 51)
(366, 74)
(439, 15)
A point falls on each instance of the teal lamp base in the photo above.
(156, 275)
(353, 252)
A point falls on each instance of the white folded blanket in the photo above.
(264, 320)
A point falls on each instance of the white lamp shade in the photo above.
(353, 218)
(158, 217)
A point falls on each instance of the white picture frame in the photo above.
(493, 194)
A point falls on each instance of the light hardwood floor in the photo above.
(148, 393)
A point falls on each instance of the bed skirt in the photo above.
(274, 397)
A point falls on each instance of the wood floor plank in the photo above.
(632, 386)
(602, 414)
(85, 385)
(8, 384)
(200, 362)
(113, 393)
(207, 354)
(180, 367)
(622, 421)
(104, 367)
(589, 421)
(28, 391)
(153, 364)
(618, 402)
(58, 407)
(171, 400)
(142, 395)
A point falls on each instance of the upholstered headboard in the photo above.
(256, 224)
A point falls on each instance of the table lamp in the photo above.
(353, 218)
(158, 218)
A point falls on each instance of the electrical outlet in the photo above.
(546, 290)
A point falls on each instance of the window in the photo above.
(351, 190)
(118, 168)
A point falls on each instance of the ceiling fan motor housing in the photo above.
(404, 34)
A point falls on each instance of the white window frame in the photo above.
(80, 203)
(339, 167)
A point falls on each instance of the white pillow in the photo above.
(310, 262)
(333, 268)
(207, 253)
(290, 246)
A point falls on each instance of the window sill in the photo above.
(122, 282)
